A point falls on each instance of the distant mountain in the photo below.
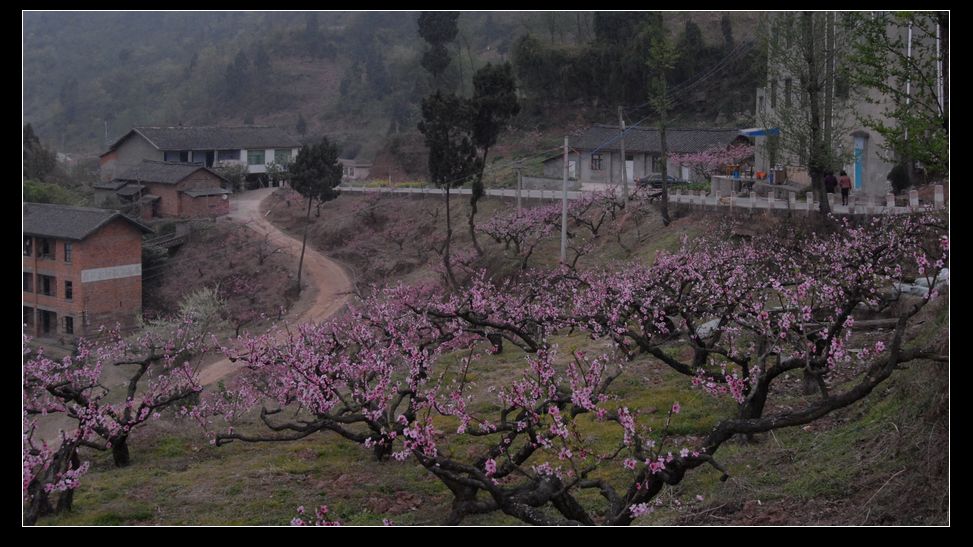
(355, 76)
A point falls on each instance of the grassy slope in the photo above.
(878, 462)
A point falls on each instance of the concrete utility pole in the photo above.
(520, 182)
(621, 124)
(564, 206)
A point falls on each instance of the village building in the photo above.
(354, 169)
(82, 270)
(595, 156)
(167, 189)
(780, 107)
(255, 147)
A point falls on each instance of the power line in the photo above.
(675, 96)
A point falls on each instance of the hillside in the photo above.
(355, 77)
(877, 462)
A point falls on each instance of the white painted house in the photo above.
(251, 145)
(354, 169)
(597, 151)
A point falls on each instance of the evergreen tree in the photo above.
(315, 174)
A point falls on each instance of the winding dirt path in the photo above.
(328, 285)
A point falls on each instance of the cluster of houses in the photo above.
(82, 266)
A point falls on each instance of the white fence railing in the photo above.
(858, 204)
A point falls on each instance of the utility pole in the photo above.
(621, 124)
(564, 206)
(520, 181)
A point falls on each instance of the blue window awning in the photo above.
(761, 132)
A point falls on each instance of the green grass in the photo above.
(178, 478)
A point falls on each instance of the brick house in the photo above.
(167, 189)
(597, 152)
(82, 269)
(254, 146)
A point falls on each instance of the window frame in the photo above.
(596, 161)
(223, 155)
(252, 153)
(47, 248)
(47, 285)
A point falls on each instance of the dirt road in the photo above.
(327, 284)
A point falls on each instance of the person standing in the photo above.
(845, 183)
(830, 182)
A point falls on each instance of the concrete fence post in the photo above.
(890, 201)
(914, 199)
(939, 196)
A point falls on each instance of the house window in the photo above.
(255, 157)
(48, 285)
(47, 248)
(28, 246)
(282, 156)
(228, 155)
(28, 281)
(656, 164)
(68, 247)
(596, 162)
(68, 325)
(29, 317)
(773, 94)
(788, 89)
(177, 155)
(68, 290)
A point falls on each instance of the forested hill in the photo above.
(357, 77)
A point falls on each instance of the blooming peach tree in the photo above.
(707, 162)
(400, 375)
(161, 364)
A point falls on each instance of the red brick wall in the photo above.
(204, 206)
(103, 302)
(173, 203)
(169, 194)
(200, 179)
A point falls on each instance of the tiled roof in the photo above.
(639, 139)
(109, 185)
(165, 172)
(130, 190)
(213, 138)
(67, 222)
